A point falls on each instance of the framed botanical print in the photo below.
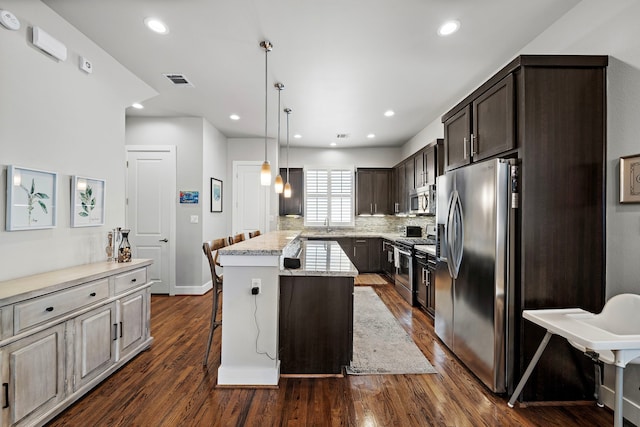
(216, 195)
(87, 201)
(31, 199)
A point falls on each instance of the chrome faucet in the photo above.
(326, 223)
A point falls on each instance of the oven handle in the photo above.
(404, 253)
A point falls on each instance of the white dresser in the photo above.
(64, 331)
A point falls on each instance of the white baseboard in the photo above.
(193, 290)
(630, 409)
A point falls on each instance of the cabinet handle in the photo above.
(49, 309)
(5, 386)
(375, 207)
(120, 329)
(115, 331)
(133, 280)
(464, 146)
(473, 145)
(92, 294)
(371, 208)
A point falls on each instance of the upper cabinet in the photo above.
(373, 191)
(293, 205)
(481, 127)
(428, 164)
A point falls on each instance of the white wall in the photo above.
(384, 157)
(55, 117)
(244, 149)
(200, 148)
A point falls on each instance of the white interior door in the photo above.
(250, 199)
(151, 183)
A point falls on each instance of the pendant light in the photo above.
(279, 185)
(265, 171)
(287, 185)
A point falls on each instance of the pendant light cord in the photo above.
(288, 111)
(266, 56)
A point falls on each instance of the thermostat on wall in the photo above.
(9, 20)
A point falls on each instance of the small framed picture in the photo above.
(31, 199)
(87, 201)
(188, 197)
(630, 179)
(216, 195)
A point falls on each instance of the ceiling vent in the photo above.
(178, 80)
(342, 136)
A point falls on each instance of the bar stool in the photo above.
(253, 234)
(208, 248)
(236, 239)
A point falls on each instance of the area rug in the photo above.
(369, 279)
(380, 345)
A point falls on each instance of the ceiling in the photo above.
(343, 62)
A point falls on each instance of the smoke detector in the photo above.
(179, 80)
(342, 136)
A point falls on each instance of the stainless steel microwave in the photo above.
(422, 200)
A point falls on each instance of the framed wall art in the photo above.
(630, 179)
(216, 195)
(87, 201)
(31, 199)
(189, 197)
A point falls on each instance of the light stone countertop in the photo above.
(272, 243)
(322, 258)
(428, 249)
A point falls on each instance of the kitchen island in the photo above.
(251, 322)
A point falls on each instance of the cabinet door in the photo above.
(375, 255)
(361, 255)
(457, 136)
(95, 344)
(32, 376)
(398, 184)
(381, 192)
(409, 179)
(493, 121)
(293, 205)
(364, 192)
(419, 169)
(133, 327)
(430, 165)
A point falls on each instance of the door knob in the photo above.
(163, 240)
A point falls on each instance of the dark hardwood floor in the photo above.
(167, 386)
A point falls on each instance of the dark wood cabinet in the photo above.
(549, 113)
(315, 324)
(373, 191)
(483, 128)
(375, 254)
(361, 255)
(428, 165)
(404, 182)
(293, 205)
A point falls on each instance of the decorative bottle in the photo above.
(124, 251)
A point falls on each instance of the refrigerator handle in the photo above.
(455, 235)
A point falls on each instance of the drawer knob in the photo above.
(133, 280)
(92, 294)
(49, 309)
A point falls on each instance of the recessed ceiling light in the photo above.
(234, 117)
(156, 25)
(389, 113)
(371, 135)
(448, 28)
(333, 144)
(137, 106)
(297, 136)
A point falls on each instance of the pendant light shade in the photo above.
(265, 171)
(287, 185)
(279, 184)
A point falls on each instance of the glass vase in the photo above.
(124, 251)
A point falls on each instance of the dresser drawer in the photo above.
(42, 309)
(130, 280)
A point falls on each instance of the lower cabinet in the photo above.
(48, 361)
(95, 344)
(33, 376)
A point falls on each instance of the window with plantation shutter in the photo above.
(328, 196)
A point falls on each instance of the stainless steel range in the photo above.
(404, 263)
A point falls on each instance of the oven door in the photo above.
(404, 274)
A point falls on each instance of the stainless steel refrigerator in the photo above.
(474, 274)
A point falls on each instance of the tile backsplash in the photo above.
(366, 224)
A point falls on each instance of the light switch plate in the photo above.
(194, 219)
